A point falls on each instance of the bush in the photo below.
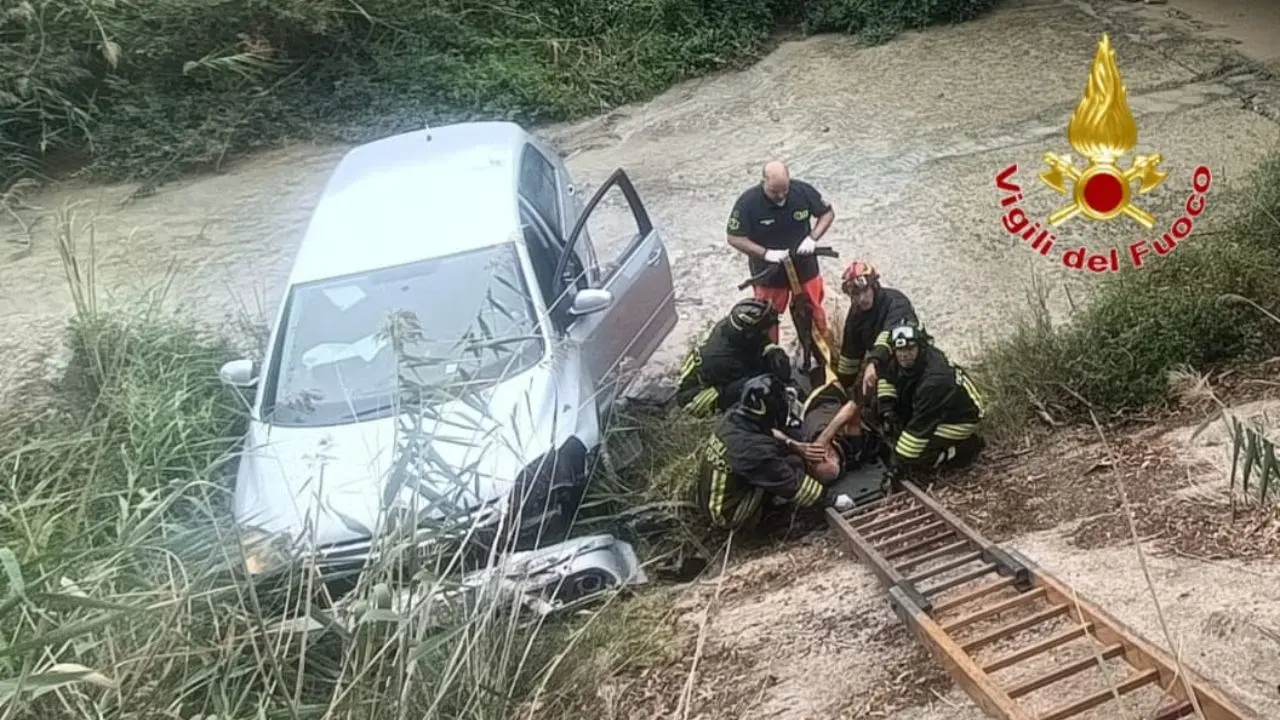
(116, 552)
(150, 89)
(119, 564)
(1116, 354)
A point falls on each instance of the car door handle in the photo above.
(655, 255)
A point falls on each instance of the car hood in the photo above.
(326, 485)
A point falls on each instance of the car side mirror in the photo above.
(239, 373)
(590, 301)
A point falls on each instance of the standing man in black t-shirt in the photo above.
(773, 219)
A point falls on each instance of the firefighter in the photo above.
(873, 311)
(738, 348)
(748, 457)
(929, 408)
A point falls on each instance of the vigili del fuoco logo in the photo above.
(1102, 130)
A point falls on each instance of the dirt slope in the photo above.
(905, 140)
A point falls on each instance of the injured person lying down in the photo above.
(829, 419)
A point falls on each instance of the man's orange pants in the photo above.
(780, 298)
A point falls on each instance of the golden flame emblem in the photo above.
(1102, 129)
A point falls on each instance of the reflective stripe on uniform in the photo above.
(715, 452)
(692, 362)
(974, 395)
(956, 431)
(809, 493)
(882, 340)
(885, 389)
(748, 507)
(909, 446)
(703, 402)
(848, 366)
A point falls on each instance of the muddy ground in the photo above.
(905, 139)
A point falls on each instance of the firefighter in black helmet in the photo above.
(738, 348)
(748, 457)
(929, 408)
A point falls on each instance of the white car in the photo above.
(462, 233)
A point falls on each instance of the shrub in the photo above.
(1117, 352)
(150, 89)
(118, 565)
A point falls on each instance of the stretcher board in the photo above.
(862, 483)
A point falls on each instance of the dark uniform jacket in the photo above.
(741, 462)
(713, 373)
(756, 217)
(866, 334)
(935, 401)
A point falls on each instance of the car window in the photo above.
(538, 185)
(614, 230)
(464, 322)
(545, 252)
(543, 257)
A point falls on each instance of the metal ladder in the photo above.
(969, 601)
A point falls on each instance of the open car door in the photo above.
(635, 272)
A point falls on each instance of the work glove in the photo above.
(838, 500)
(775, 256)
(889, 424)
(806, 246)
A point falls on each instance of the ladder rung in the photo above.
(1123, 688)
(975, 594)
(908, 536)
(991, 610)
(862, 512)
(1014, 627)
(950, 565)
(914, 510)
(1027, 653)
(1064, 672)
(890, 529)
(959, 580)
(902, 552)
(932, 555)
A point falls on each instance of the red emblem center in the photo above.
(1103, 192)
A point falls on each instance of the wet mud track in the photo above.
(905, 140)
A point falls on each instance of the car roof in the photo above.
(415, 196)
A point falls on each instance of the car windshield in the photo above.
(464, 320)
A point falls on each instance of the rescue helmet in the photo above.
(765, 397)
(752, 315)
(858, 275)
(908, 335)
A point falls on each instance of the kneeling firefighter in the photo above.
(737, 349)
(864, 349)
(929, 409)
(748, 457)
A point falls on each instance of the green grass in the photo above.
(148, 90)
(119, 590)
(1115, 355)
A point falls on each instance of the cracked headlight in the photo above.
(263, 552)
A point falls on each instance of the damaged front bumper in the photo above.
(536, 583)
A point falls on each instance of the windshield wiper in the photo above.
(372, 410)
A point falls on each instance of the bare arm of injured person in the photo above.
(843, 417)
